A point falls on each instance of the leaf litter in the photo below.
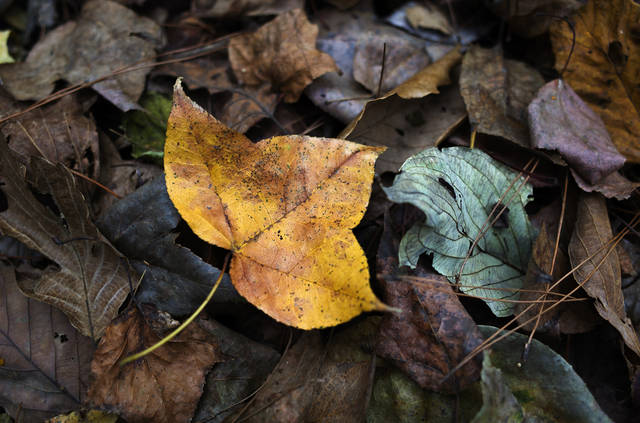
(550, 175)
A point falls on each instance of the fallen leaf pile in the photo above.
(339, 211)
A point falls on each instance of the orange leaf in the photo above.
(285, 206)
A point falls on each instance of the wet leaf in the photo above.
(98, 49)
(603, 69)
(433, 332)
(284, 206)
(163, 386)
(247, 365)
(176, 280)
(90, 281)
(45, 368)
(497, 92)
(593, 232)
(545, 387)
(146, 128)
(59, 132)
(457, 188)
(282, 53)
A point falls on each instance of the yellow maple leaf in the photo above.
(285, 206)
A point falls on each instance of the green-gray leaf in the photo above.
(543, 389)
(457, 188)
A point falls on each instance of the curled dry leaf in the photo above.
(45, 369)
(282, 53)
(497, 92)
(604, 67)
(98, 43)
(434, 332)
(285, 206)
(459, 190)
(560, 120)
(590, 241)
(404, 121)
(59, 132)
(164, 386)
(91, 280)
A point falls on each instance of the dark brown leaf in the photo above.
(101, 41)
(46, 361)
(316, 383)
(592, 232)
(560, 120)
(163, 386)
(59, 132)
(497, 92)
(282, 53)
(434, 332)
(90, 281)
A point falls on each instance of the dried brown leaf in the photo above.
(163, 386)
(59, 132)
(315, 383)
(46, 361)
(497, 92)
(98, 43)
(282, 53)
(434, 332)
(605, 65)
(90, 281)
(592, 232)
(560, 120)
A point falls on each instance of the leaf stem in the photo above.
(184, 324)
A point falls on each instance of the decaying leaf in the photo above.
(397, 398)
(90, 281)
(604, 66)
(176, 280)
(545, 388)
(99, 42)
(45, 361)
(59, 132)
(434, 332)
(560, 120)
(247, 365)
(428, 17)
(163, 386)
(282, 53)
(316, 383)
(408, 126)
(457, 188)
(284, 206)
(497, 92)
(600, 275)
